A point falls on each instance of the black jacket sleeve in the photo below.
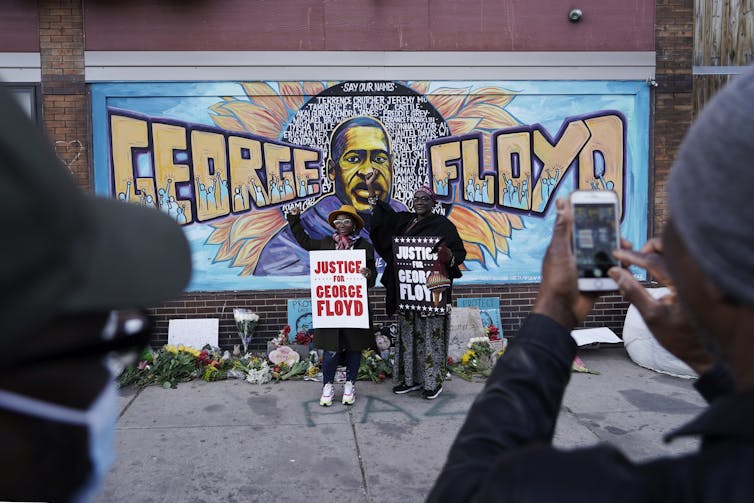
(518, 407)
(715, 383)
(372, 279)
(453, 241)
(386, 223)
(302, 238)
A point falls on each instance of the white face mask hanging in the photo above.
(99, 421)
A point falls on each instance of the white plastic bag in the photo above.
(644, 349)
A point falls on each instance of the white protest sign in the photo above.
(194, 333)
(339, 290)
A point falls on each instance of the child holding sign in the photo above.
(336, 341)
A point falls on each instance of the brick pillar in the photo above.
(64, 100)
(674, 45)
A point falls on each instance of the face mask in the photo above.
(99, 420)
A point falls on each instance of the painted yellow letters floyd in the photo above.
(593, 145)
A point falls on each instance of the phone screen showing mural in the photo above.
(595, 238)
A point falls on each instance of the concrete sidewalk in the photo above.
(233, 441)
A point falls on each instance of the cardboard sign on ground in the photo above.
(194, 333)
(465, 323)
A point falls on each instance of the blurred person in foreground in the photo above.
(75, 273)
(503, 452)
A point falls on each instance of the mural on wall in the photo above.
(228, 160)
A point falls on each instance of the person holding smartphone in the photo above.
(503, 451)
(596, 234)
(339, 342)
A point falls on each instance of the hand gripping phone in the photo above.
(596, 233)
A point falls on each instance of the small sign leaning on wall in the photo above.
(339, 290)
(414, 258)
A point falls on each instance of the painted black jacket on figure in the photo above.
(504, 453)
(338, 339)
(387, 223)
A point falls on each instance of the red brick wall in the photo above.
(64, 102)
(369, 25)
(66, 115)
(515, 304)
(674, 32)
(19, 26)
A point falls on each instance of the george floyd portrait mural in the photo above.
(227, 160)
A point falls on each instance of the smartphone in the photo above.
(596, 233)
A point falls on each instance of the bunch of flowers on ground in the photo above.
(253, 369)
(283, 371)
(281, 339)
(171, 365)
(492, 332)
(304, 337)
(479, 357)
(373, 367)
(246, 323)
(174, 364)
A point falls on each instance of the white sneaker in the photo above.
(328, 392)
(349, 393)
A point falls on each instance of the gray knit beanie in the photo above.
(711, 189)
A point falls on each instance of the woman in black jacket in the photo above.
(421, 351)
(333, 341)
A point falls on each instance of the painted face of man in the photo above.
(366, 148)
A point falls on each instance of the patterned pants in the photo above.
(421, 350)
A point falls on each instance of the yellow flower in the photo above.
(171, 349)
(467, 356)
(312, 370)
(210, 373)
(189, 350)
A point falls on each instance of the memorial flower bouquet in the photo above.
(373, 367)
(477, 360)
(215, 362)
(246, 323)
(257, 370)
(167, 367)
(314, 369)
(492, 332)
(173, 364)
(498, 343)
(284, 371)
(281, 339)
(481, 349)
(304, 337)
